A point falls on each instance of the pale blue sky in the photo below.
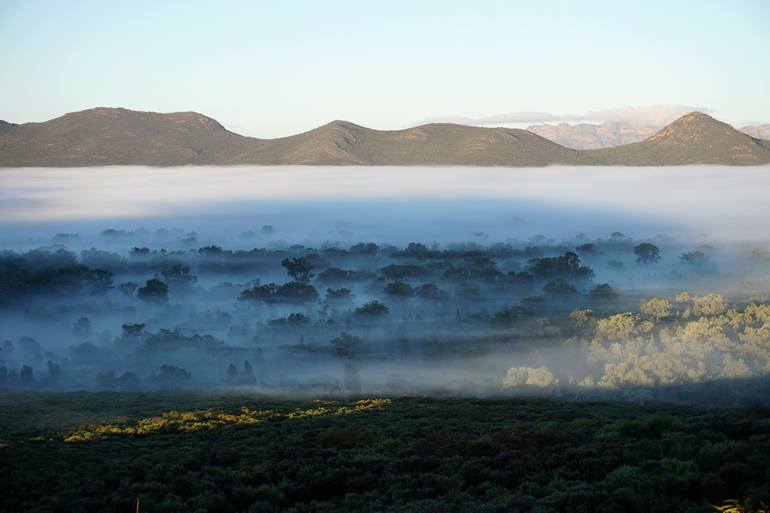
(274, 68)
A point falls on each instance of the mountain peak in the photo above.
(112, 115)
(694, 126)
(695, 116)
(695, 138)
(342, 124)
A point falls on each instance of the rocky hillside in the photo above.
(588, 136)
(695, 138)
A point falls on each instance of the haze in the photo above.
(434, 204)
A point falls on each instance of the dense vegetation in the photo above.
(406, 455)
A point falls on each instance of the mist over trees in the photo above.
(566, 318)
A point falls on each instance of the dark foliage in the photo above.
(292, 292)
(416, 455)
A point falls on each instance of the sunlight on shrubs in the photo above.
(690, 340)
(734, 506)
(529, 376)
(210, 419)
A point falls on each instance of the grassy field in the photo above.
(95, 452)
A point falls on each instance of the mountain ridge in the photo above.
(695, 138)
(116, 136)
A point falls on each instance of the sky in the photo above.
(268, 69)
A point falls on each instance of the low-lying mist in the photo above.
(398, 204)
(641, 284)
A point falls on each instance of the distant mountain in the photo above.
(695, 138)
(111, 136)
(757, 131)
(341, 142)
(106, 136)
(589, 136)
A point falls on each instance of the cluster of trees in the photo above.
(686, 340)
(422, 301)
(49, 274)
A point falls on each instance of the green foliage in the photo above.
(647, 253)
(231, 454)
(154, 291)
(399, 289)
(292, 292)
(566, 266)
(299, 268)
(372, 308)
(346, 345)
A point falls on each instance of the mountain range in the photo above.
(116, 136)
(757, 131)
(592, 136)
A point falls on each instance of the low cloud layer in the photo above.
(440, 201)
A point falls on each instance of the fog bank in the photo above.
(440, 203)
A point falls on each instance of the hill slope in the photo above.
(102, 136)
(105, 136)
(109, 136)
(341, 142)
(695, 138)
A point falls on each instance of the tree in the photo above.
(530, 377)
(232, 373)
(99, 281)
(154, 291)
(294, 319)
(128, 288)
(132, 329)
(361, 248)
(588, 248)
(603, 292)
(656, 309)
(372, 308)
(559, 287)
(339, 294)
(647, 253)
(54, 370)
(336, 275)
(346, 345)
(298, 268)
(566, 266)
(693, 258)
(177, 273)
(82, 328)
(430, 291)
(170, 375)
(509, 316)
(248, 374)
(398, 288)
(292, 292)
